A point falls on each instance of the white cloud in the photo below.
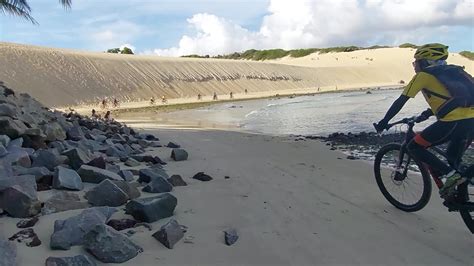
(311, 23)
(114, 34)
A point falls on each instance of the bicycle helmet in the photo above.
(432, 51)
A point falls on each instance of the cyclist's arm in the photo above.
(410, 91)
(395, 108)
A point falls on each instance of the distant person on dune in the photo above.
(199, 97)
(116, 103)
(104, 103)
(107, 116)
(214, 97)
(449, 91)
(152, 100)
(163, 99)
(231, 95)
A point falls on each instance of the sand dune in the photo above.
(59, 77)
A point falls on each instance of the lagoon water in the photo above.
(319, 114)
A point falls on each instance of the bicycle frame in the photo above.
(410, 134)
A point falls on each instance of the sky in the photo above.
(183, 27)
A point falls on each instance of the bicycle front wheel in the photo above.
(466, 195)
(403, 181)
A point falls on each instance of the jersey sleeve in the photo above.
(415, 85)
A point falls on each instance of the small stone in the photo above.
(202, 177)
(79, 260)
(169, 234)
(179, 155)
(351, 157)
(27, 223)
(177, 180)
(27, 236)
(173, 145)
(112, 168)
(230, 237)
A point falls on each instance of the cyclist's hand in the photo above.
(381, 125)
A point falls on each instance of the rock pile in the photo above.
(41, 149)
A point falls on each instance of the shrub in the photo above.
(126, 50)
(469, 55)
(114, 50)
(408, 45)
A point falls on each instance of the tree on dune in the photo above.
(22, 9)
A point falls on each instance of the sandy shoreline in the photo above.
(292, 203)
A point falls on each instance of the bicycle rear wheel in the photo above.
(401, 179)
(466, 194)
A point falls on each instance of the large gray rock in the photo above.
(129, 188)
(11, 127)
(7, 253)
(77, 157)
(158, 185)
(132, 162)
(54, 131)
(152, 209)
(126, 175)
(179, 154)
(71, 232)
(96, 175)
(79, 260)
(47, 158)
(115, 151)
(169, 234)
(7, 110)
(4, 140)
(106, 194)
(38, 172)
(112, 168)
(110, 246)
(5, 169)
(18, 156)
(75, 133)
(65, 178)
(18, 196)
(3, 150)
(98, 162)
(147, 175)
(63, 201)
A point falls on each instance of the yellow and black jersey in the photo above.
(436, 95)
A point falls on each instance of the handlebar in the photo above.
(409, 121)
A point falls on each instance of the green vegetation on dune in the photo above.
(468, 54)
(261, 55)
(408, 45)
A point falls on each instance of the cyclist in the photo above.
(448, 90)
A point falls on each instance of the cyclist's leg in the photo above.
(436, 134)
(460, 141)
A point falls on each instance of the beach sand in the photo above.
(291, 202)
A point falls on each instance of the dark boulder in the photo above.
(110, 246)
(152, 209)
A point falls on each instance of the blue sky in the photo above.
(168, 27)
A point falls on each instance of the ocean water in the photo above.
(327, 113)
(319, 114)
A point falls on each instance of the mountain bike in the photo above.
(406, 182)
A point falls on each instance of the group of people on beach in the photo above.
(164, 100)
